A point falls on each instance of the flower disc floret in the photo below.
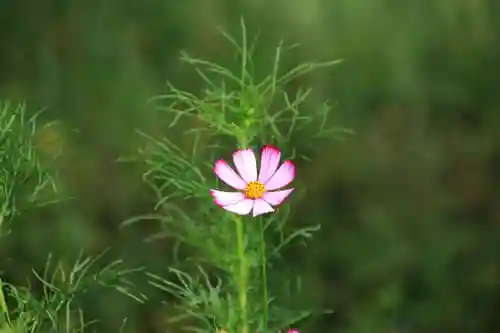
(255, 190)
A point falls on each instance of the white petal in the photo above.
(222, 198)
(277, 197)
(282, 177)
(246, 164)
(269, 161)
(261, 207)
(242, 208)
(228, 176)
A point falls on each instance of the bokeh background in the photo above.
(410, 206)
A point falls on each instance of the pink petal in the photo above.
(242, 208)
(261, 207)
(223, 198)
(228, 176)
(282, 177)
(277, 197)
(246, 164)
(269, 161)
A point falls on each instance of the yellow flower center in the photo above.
(255, 190)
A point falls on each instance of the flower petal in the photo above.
(261, 207)
(223, 198)
(277, 197)
(228, 176)
(246, 164)
(282, 177)
(242, 208)
(269, 161)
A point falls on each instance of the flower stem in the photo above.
(243, 273)
(264, 272)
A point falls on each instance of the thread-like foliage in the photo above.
(23, 180)
(224, 270)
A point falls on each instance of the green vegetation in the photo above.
(106, 222)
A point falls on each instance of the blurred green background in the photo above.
(410, 206)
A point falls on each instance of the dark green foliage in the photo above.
(409, 207)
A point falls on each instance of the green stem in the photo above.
(264, 272)
(243, 273)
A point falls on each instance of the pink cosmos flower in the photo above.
(256, 192)
(292, 330)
